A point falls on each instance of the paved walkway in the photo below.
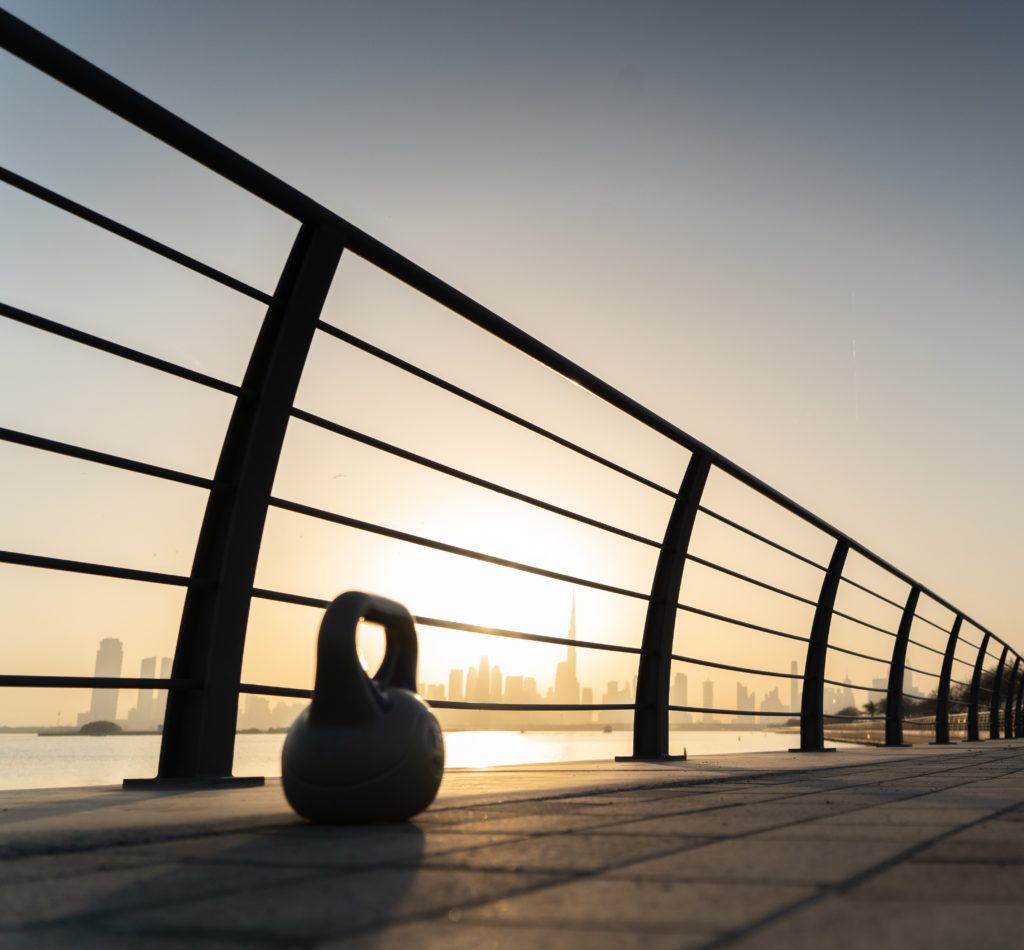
(869, 848)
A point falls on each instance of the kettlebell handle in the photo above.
(342, 691)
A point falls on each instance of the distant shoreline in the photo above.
(538, 727)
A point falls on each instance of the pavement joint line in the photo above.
(858, 878)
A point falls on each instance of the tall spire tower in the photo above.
(567, 686)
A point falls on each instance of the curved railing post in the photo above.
(812, 718)
(942, 700)
(997, 685)
(973, 734)
(650, 720)
(897, 667)
(199, 730)
(1011, 690)
(1019, 711)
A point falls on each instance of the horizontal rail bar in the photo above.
(529, 707)
(863, 656)
(924, 646)
(394, 450)
(287, 691)
(735, 669)
(532, 637)
(299, 600)
(863, 623)
(931, 623)
(760, 537)
(749, 580)
(116, 349)
(88, 567)
(873, 593)
(67, 67)
(732, 712)
(914, 669)
(497, 410)
(860, 686)
(343, 520)
(129, 234)
(711, 615)
(102, 458)
(95, 682)
(854, 718)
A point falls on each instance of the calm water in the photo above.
(28, 761)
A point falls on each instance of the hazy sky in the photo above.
(791, 228)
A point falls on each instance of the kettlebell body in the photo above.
(365, 749)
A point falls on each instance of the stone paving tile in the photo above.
(957, 849)
(27, 903)
(310, 846)
(80, 938)
(327, 905)
(971, 797)
(495, 823)
(760, 860)
(926, 881)
(890, 815)
(843, 923)
(564, 853)
(56, 866)
(445, 935)
(694, 908)
(944, 799)
(826, 830)
(852, 797)
(722, 821)
(997, 830)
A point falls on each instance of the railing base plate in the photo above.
(650, 758)
(828, 748)
(186, 784)
(947, 742)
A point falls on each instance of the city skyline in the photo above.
(487, 683)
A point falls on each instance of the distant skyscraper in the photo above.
(709, 699)
(455, 686)
(514, 692)
(141, 717)
(496, 684)
(771, 704)
(483, 681)
(745, 700)
(567, 685)
(160, 701)
(679, 695)
(794, 689)
(104, 701)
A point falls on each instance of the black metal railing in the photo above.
(206, 680)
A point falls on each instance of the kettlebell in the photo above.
(365, 749)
